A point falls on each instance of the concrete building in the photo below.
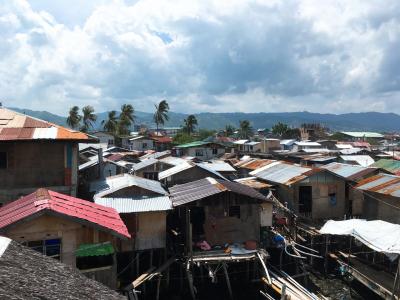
(34, 154)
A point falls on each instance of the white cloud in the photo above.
(321, 56)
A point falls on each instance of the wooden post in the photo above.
(312, 246)
(228, 282)
(283, 292)
(137, 264)
(190, 281)
(151, 258)
(281, 259)
(248, 270)
(326, 254)
(396, 280)
(158, 287)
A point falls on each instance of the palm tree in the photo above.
(89, 117)
(74, 118)
(111, 124)
(190, 123)
(161, 113)
(245, 129)
(126, 118)
(229, 130)
(280, 129)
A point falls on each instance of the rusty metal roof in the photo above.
(254, 183)
(203, 188)
(15, 126)
(283, 172)
(382, 184)
(254, 164)
(350, 172)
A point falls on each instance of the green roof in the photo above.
(390, 165)
(94, 249)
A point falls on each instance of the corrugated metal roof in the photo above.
(344, 146)
(252, 143)
(240, 142)
(363, 134)
(282, 172)
(287, 142)
(173, 161)
(310, 144)
(362, 160)
(219, 166)
(185, 166)
(16, 126)
(389, 165)
(46, 200)
(347, 171)
(115, 183)
(382, 183)
(254, 164)
(144, 163)
(136, 205)
(156, 155)
(253, 182)
(203, 188)
(350, 151)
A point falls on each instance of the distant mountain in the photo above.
(369, 121)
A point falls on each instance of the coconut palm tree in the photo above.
(126, 118)
(245, 129)
(229, 130)
(280, 129)
(161, 113)
(190, 123)
(74, 118)
(111, 124)
(89, 117)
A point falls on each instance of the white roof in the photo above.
(344, 146)
(350, 151)
(316, 150)
(378, 235)
(136, 138)
(287, 142)
(252, 143)
(135, 205)
(174, 170)
(173, 161)
(240, 142)
(219, 166)
(362, 134)
(112, 184)
(4, 242)
(305, 144)
(144, 163)
(362, 160)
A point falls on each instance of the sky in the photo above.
(202, 56)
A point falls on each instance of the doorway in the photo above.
(305, 199)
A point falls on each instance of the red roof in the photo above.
(46, 201)
(162, 139)
(361, 144)
(16, 126)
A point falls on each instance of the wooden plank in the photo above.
(142, 278)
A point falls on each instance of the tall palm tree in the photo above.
(161, 113)
(111, 124)
(280, 129)
(89, 117)
(229, 130)
(126, 118)
(74, 118)
(245, 129)
(190, 123)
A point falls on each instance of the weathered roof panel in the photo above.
(136, 205)
(347, 171)
(382, 184)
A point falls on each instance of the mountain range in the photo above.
(367, 121)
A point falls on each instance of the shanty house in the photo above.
(219, 211)
(187, 172)
(105, 138)
(35, 153)
(361, 160)
(381, 195)
(79, 233)
(141, 143)
(312, 193)
(200, 150)
(143, 205)
(352, 174)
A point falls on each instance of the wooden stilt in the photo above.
(281, 259)
(326, 255)
(181, 278)
(312, 246)
(396, 280)
(190, 281)
(151, 258)
(283, 292)
(137, 264)
(158, 288)
(248, 270)
(228, 282)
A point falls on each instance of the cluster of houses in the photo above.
(116, 212)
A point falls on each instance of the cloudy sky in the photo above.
(216, 56)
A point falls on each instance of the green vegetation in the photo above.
(245, 129)
(111, 124)
(74, 118)
(280, 129)
(88, 118)
(161, 113)
(190, 124)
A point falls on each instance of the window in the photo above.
(3, 160)
(234, 211)
(144, 145)
(214, 151)
(50, 248)
(199, 152)
(151, 175)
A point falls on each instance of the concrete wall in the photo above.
(207, 152)
(32, 165)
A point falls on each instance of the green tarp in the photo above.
(94, 249)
